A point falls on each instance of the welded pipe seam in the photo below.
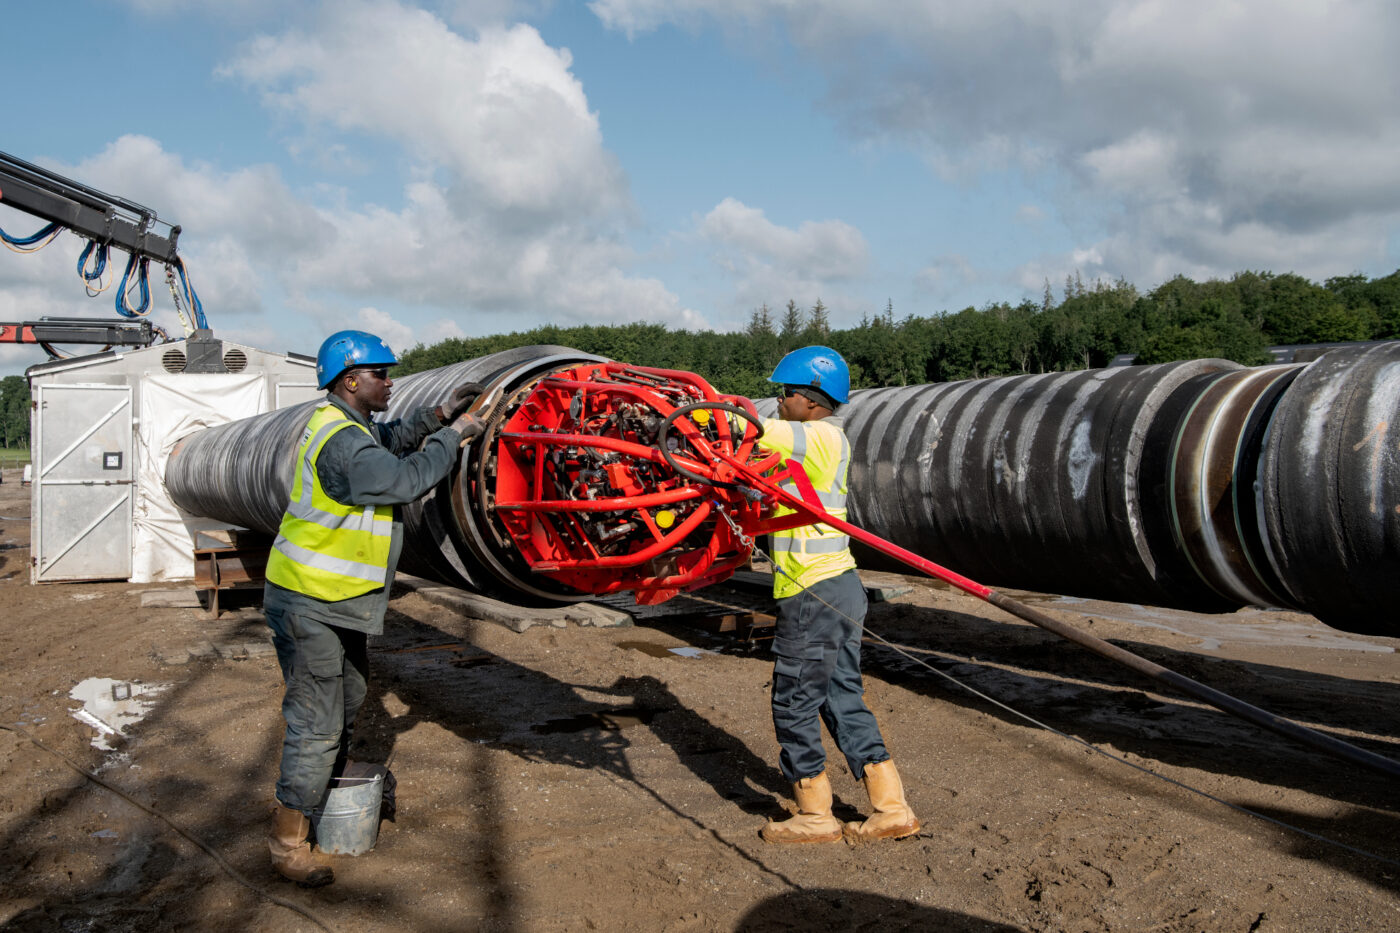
(1206, 483)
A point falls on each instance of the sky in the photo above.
(472, 167)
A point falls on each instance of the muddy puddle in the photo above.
(111, 707)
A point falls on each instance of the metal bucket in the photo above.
(347, 823)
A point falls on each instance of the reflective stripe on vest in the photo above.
(303, 505)
(812, 553)
(324, 548)
(782, 544)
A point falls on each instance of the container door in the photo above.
(82, 483)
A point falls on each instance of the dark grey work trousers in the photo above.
(816, 679)
(326, 670)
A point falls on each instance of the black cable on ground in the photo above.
(209, 850)
(1078, 741)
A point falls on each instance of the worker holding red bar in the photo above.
(821, 610)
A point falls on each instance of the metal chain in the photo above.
(175, 296)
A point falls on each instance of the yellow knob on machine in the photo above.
(665, 518)
(700, 416)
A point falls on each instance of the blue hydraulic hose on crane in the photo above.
(46, 233)
(105, 221)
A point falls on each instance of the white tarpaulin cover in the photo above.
(173, 407)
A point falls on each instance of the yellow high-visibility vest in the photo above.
(811, 553)
(324, 548)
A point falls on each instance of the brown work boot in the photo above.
(813, 821)
(291, 853)
(892, 818)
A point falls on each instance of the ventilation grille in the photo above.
(235, 360)
(173, 361)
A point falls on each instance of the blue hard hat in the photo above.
(347, 349)
(819, 367)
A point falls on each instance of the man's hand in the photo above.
(469, 426)
(459, 401)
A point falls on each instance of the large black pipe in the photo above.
(1329, 489)
(1199, 485)
(1035, 481)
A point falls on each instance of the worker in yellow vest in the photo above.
(332, 565)
(821, 611)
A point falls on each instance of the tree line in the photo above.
(1087, 327)
(14, 412)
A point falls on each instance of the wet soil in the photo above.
(569, 778)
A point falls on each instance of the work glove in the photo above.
(460, 400)
(469, 426)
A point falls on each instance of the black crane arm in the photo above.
(51, 330)
(90, 213)
(105, 221)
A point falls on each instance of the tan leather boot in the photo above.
(892, 818)
(291, 853)
(813, 821)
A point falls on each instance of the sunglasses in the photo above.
(381, 373)
(787, 392)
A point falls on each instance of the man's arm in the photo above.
(406, 434)
(355, 470)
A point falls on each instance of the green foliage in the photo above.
(14, 412)
(1373, 304)
(1181, 319)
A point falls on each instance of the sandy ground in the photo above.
(571, 778)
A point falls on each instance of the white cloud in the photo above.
(1147, 163)
(400, 336)
(828, 248)
(501, 113)
(510, 203)
(251, 204)
(1194, 132)
(428, 254)
(240, 229)
(768, 261)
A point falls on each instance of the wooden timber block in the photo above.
(743, 624)
(186, 598)
(885, 593)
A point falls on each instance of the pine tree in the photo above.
(760, 322)
(794, 320)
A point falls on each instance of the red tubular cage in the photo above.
(584, 490)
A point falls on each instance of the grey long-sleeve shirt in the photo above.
(380, 468)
